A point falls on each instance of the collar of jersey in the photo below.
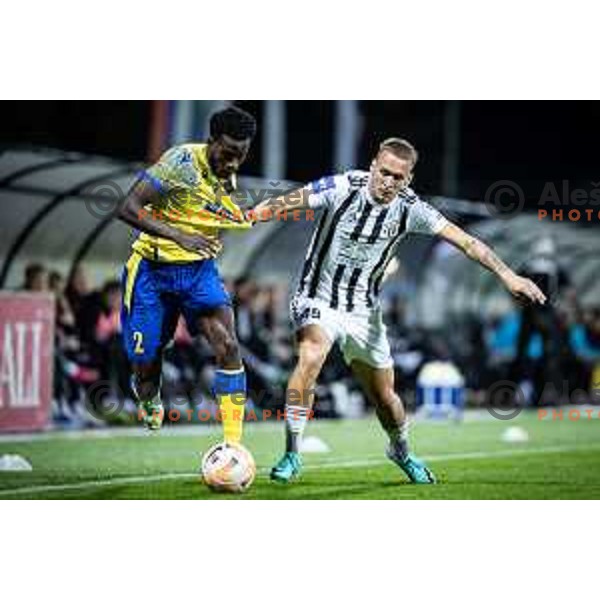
(374, 202)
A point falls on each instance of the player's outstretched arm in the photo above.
(267, 210)
(134, 213)
(475, 249)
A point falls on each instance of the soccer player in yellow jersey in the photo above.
(180, 207)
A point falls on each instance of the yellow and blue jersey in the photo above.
(193, 199)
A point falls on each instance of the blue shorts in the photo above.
(156, 294)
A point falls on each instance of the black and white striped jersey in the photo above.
(355, 238)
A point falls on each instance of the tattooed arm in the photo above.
(476, 250)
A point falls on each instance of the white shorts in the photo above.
(360, 337)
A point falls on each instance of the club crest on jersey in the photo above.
(391, 230)
(184, 157)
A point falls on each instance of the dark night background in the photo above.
(529, 142)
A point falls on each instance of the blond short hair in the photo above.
(401, 148)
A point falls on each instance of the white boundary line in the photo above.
(83, 485)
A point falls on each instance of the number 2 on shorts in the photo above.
(138, 338)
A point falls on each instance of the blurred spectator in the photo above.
(545, 270)
(406, 354)
(585, 341)
(242, 293)
(78, 289)
(102, 312)
(592, 329)
(87, 303)
(65, 317)
(36, 278)
(108, 321)
(254, 327)
(71, 374)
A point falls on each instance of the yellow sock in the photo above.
(230, 391)
(232, 415)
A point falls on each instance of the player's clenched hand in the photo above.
(198, 243)
(524, 288)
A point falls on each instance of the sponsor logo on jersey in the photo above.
(358, 180)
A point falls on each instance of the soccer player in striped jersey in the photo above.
(364, 216)
(180, 206)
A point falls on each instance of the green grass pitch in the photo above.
(560, 460)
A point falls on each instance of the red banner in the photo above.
(26, 360)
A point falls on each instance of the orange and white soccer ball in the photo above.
(228, 467)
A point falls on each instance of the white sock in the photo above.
(399, 439)
(296, 418)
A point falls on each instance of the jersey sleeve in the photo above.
(327, 191)
(424, 218)
(175, 170)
